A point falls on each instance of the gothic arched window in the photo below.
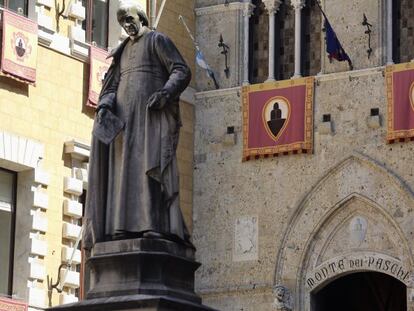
(403, 31)
(258, 43)
(284, 35)
(311, 38)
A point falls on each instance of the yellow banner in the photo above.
(99, 65)
(19, 47)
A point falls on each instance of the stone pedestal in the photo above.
(140, 274)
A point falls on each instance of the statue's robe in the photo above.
(133, 182)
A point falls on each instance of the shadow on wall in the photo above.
(14, 86)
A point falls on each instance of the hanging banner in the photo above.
(12, 305)
(19, 47)
(400, 97)
(278, 118)
(99, 65)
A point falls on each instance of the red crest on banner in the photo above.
(99, 65)
(12, 305)
(19, 47)
(278, 118)
(400, 97)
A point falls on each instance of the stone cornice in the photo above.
(218, 93)
(220, 8)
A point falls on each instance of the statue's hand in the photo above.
(100, 114)
(158, 100)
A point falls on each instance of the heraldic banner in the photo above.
(99, 65)
(19, 47)
(12, 305)
(400, 97)
(278, 118)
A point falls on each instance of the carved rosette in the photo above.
(272, 6)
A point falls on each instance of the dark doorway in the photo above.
(367, 291)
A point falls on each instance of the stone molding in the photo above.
(366, 260)
(218, 93)
(77, 150)
(73, 185)
(349, 74)
(318, 78)
(22, 153)
(220, 8)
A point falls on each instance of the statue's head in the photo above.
(131, 17)
(279, 291)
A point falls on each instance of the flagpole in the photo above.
(320, 8)
(71, 259)
(181, 18)
(210, 72)
(157, 20)
(351, 66)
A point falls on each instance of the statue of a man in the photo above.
(133, 181)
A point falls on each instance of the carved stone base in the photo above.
(133, 303)
(140, 274)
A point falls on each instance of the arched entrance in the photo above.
(356, 219)
(362, 291)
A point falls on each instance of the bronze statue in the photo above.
(133, 181)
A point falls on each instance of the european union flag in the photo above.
(333, 46)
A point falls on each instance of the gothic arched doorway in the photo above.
(363, 291)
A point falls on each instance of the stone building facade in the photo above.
(45, 131)
(288, 232)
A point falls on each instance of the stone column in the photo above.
(298, 5)
(389, 33)
(247, 12)
(272, 6)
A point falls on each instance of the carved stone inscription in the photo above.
(365, 261)
(246, 239)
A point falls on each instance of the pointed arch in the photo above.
(355, 177)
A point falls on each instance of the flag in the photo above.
(333, 45)
(99, 65)
(200, 60)
(19, 47)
